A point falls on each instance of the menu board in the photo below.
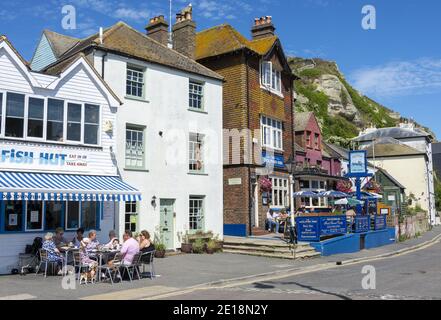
(308, 228)
(362, 224)
(333, 225)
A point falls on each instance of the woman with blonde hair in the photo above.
(53, 254)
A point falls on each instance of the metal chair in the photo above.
(131, 268)
(147, 259)
(44, 259)
(114, 269)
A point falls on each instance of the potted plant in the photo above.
(186, 245)
(160, 250)
(198, 246)
(211, 246)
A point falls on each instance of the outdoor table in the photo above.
(66, 251)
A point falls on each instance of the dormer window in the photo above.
(271, 78)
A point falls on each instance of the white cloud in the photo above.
(399, 78)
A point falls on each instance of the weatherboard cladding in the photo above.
(44, 55)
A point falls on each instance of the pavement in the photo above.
(221, 276)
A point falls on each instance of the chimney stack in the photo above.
(263, 27)
(157, 29)
(184, 33)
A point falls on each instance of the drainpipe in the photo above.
(250, 197)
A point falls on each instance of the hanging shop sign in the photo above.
(358, 164)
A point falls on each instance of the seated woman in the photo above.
(53, 254)
(84, 255)
(78, 238)
(145, 244)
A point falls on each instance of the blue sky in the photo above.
(398, 64)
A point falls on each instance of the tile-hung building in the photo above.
(57, 149)
(258, 97)
(169, 128)
(397, 150)
(318, 167)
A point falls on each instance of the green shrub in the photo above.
(198, 246)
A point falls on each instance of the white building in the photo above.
(56, 153)
(169, 128)
(416, 176)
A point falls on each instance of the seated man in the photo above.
(129, 248)
(59, 239)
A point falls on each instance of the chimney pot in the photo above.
(263, 27)
(157, 29)
(184, 33)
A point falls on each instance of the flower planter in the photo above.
(160, 254)
(186, 248)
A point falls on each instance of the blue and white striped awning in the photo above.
(62, 187)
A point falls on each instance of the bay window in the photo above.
(15, 115)
(272, 133)
(55, 120)
(74, 122)
(270, 77)
(35, 118)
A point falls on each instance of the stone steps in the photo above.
(304, 255)
(268, 248)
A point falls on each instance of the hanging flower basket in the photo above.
(373, 186)
(344, 186)
(265, 185)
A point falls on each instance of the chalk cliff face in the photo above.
(341, 110)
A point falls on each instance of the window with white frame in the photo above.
(1, 111)
(270, 77)
(35, 118)
(196, 153)
(196, 218)
(135, 147)
(280, 192)
(135, 82)
(196, 95)
(15, 115)
(131, 216)
(74, 118)
(91, 124)
(55, 120)
(272, 133)
(314, 186)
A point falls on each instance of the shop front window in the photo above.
(34, 216)
(13, 216)
(53, 215)
(72, 215)
(280, 192)
(89, 215)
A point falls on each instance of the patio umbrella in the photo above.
(305, 194)
(342, 202)
(332, 194)
(348, 201)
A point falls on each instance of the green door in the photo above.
(167, 223)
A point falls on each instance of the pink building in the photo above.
(318, 167)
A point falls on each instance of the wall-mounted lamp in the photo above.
(161, 133)
(154, 202)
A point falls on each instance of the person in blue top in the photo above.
(53, 254)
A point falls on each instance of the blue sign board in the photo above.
(362, 224)
(333, 225)
(308, 228)
(273, 159)
(358, 164)
(380, 222)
